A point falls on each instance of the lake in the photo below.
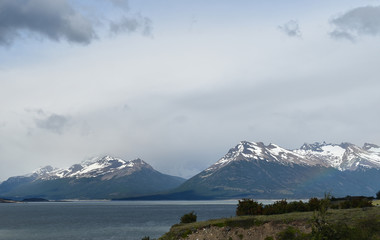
(101, 220)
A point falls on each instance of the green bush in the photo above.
(189, 217)
(297, 207)
(355, 202)
(314, 204)
(378, 195)
(278, 207)
(249, 207)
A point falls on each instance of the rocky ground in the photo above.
(257, 232)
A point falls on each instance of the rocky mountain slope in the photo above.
(253, 169)
(99, 178)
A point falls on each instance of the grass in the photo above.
(348, 216)
(376, 203)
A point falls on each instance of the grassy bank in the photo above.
(348, 217)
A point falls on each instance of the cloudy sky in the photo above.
(178, 83)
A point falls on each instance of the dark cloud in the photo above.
(54, 123)
(291, 29)
(356, 22)
(61, 20)
(55, 20)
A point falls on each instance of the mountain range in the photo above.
(253, 169)
(250, 169)
(98, 178)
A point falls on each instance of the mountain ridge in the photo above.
(344, 156)
(106, 166)
(98, 178)
(250, 169)
(256, 170)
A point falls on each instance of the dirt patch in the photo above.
(270, 229)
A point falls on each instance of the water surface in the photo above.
(101, 220)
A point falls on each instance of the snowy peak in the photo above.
(371, 148)
(43, 171)
(344, 156)
(106, 167)
(316, 147)
(258, 151)
(329, 155)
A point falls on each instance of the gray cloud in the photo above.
(132, 24)
(121, 3)
(55, 20)
(342, 35)
(291, 29)
(61, 20)
(54, 123)
(356, 22)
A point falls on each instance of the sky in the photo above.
(179, 83)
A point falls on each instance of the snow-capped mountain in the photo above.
(253, 169)
(98, 178)
(106, 167)
(345, 156)
(250, 151)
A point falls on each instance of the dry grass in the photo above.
(376, 203)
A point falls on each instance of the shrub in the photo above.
(249, 207)
(297, 207)
(277, 207)
(378, 195)
(280, 206)
(292, 233)
(189, 217)
(355, 202)
(314, 204)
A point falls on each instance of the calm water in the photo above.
(101, 220)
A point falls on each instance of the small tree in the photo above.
(378, 195)
(320, 227)
(189, 217)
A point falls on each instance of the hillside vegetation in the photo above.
(352, 223)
